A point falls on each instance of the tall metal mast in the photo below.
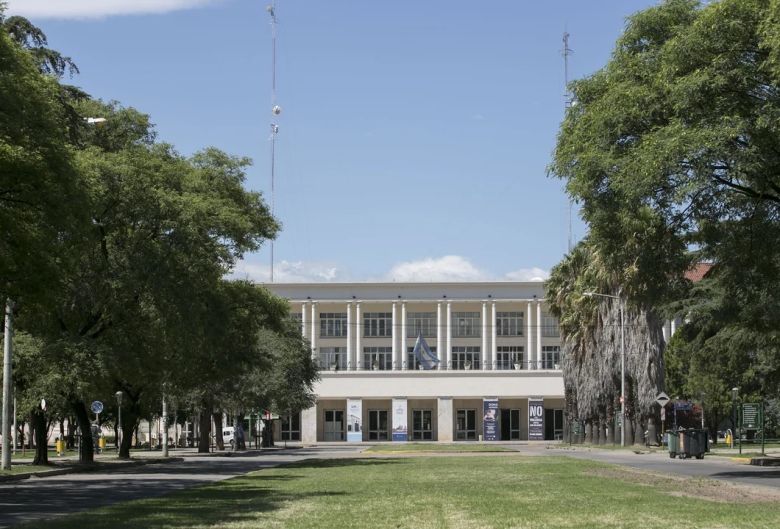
(275, 111)
(567, 103)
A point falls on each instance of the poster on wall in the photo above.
(490, 419)
(535, 420)
(354, 420)
(399, 420)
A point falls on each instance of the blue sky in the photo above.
(414, 137)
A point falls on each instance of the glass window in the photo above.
(378, 358)
(509, 323)
(466, 425)
(550, 326)
(297, 317)
(466, 357)
(377, 425)
(333, 324)
(379, 324)
(551, 357)
(418, 323)
(466, 324)
(510, 357)
(333, 358)
(422, 425)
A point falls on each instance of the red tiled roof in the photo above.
(698, 272)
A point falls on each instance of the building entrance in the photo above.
(334, 425)
(377, 425)
(553, 425)
(466, 425)
(510, 425)
(422, 425)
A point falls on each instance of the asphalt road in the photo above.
(44, 498)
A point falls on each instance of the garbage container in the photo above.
(673, 442)
(696, 443)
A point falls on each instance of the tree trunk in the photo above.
(652, 432)
(129, 424)
(71, 437)
(241, 438)
(639, 431)
(39, 432)
(602, 432)
(204, 429)
(588, 432)
(629, 426)
(218, 427)
(86, 450)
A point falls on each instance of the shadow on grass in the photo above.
(337, 463)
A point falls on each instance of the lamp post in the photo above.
(734, 392)
(7, 398)
(622, 366)
(118, 395)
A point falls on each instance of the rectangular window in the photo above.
(466, 357)
(551, 357)
(422, 425)
(421, 323)
(466, 325)
(378, 358)
(377, 425)
(550, 326)
(333, 358)
(466, 425)
(291, 427)
(510, 357)
(377, 324)
(509, 323)
(297, 317)
(411, 361)
(514, 424)
(334, 425)
(333, 324)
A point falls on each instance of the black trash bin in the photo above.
(688, 443)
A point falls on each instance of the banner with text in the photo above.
(535, 420)
(354, 420)
(399, 420)
(490, 419)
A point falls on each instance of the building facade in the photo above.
(491, 368)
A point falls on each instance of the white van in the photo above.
(228, 436)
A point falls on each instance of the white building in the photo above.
(497, 377)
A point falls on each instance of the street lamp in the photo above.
(734, 393)
(118, 395)
(622, 366)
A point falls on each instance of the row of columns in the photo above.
(489, 351)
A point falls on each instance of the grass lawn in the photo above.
(23, 469)
(435, 447)
(454, 492)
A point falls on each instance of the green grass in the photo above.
(453, 492)
(435, 447)
(23, 469)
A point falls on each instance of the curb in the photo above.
(765, 462)
(82, 468)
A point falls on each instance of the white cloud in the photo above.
(447, 268)
(97, 8)
(528, 274)
(289, 272)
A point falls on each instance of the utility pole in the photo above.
(275, 110)
(8, 405)
(164, 424)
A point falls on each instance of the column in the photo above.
(309, 425)
(493, 332)
(448, 345)
(404, 354)
(394, 336)
(529, 335)
(444, 422)
(314, 329)
(439, 336)
(350, 350)
(358, 336)
(304, 319)
(484, 335)
(538, 333)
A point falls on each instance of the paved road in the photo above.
(713, 467)
(43, 498)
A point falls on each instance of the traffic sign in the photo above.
(97, 407)
(662, 399)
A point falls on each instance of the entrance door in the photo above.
(505, 424)
(422, 425)
(334, 425)
(553, 425)
(377, 425)
(466, 425)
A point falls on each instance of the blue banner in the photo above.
(490, 419)
(354, 420)
(400, 430)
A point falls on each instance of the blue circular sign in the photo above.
(97, 407)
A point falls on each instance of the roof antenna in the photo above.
(275, 111)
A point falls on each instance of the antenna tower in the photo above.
(275, 111)
(567, 102)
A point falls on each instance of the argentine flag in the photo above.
(425, 358)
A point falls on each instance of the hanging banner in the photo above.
(535, 420)
(354, 420)
(399, 420)
(490, 419)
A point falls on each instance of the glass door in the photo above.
(377, 425)
(422, 425)
(466, 425)
(334, 425)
